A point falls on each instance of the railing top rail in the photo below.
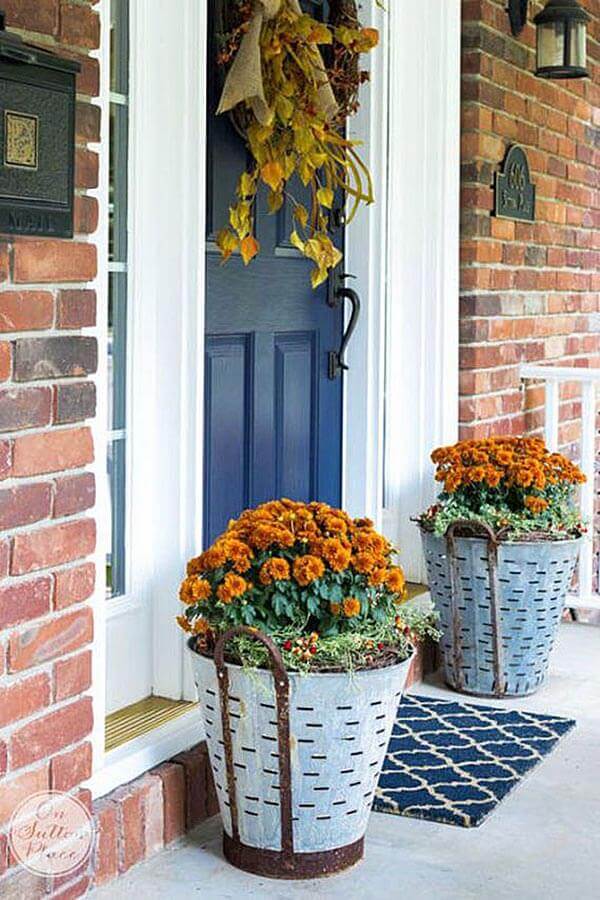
(560, 373)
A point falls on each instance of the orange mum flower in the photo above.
(378, 576)
(364, 523)
(200, 626)
(395, 580)
(364, 562)
(366, 540)
(307, 569)
(201, 589)
(493, 476)
(336, 555)
(216, 556)
(452, 482)
(274, 569)
(238, 553)
(184, 623)
(194, 590)
(476, 474)
(232, 586)
(265, 536)
(536, 505)
(351, 607)
(335, 608)
(504, 457)
(524, 477)
(334, 525)
(185, 592)
(196, 565)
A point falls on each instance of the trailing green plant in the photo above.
(514, 485)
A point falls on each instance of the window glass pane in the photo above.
(117, 350)
(119, 47)
(118, 182)
(115, 562)
(117, 297)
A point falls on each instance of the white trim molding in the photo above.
(100, 429)
(138, 756)
(366, 260)
(421, 394)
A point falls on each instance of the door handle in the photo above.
(338, 292)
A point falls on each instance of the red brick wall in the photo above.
(47, 528)
(529, 292)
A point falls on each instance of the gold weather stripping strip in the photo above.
(132, 721)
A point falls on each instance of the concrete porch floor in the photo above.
(542, 842)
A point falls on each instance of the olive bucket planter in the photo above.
(296, 758)
(500, 604)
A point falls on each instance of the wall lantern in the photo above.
(561, 37)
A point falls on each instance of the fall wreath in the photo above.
(291, 82)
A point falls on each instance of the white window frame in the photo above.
(402, 288)
(164, 459)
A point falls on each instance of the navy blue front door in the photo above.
(273, 418)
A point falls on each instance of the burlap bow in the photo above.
(244, 81)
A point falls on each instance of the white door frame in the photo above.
(417, 287)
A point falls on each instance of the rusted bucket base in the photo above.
(296, 866)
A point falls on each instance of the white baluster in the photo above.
(588, 452)
(553, 376)
(552, 414)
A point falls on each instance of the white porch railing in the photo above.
(553, 377)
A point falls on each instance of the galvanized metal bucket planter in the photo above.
(296, 759)
(500, 604)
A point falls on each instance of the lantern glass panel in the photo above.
(578, 45)
(551, 45)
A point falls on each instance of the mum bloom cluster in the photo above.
(509, 482)
(294, 569)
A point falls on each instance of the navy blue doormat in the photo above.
(454, 762)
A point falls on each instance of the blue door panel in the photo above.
(296, 414)
(227, 428)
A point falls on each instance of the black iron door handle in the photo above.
(337, 294)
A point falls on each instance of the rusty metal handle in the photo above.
(461, 523)
(276, 658)
(282, 695)
(492, 547)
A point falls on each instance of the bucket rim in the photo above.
(292, 674)
(558, 542)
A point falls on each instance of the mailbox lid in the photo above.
(14, 49)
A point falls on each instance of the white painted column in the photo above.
(423, 260)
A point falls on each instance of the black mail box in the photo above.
(37, 139)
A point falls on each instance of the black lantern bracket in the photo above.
(517, 13)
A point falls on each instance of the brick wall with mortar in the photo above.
(131, 824)
(529, 292)
(47, 401)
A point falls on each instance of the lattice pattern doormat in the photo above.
(454, 763)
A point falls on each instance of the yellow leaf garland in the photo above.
(297, 139)
(249, 247)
